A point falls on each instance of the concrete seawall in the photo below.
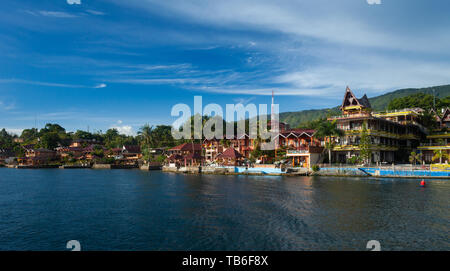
(382, 173)
(101, 166)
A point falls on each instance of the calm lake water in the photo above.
(137, 210)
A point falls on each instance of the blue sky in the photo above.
(122, 63)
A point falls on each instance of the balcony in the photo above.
(351, 116)
(435, 144)
(296, 152)
(304, 150)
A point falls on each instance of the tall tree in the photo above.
(146, 134)
(328, 130)
(440, 154)
(365, 145)
(415, 157)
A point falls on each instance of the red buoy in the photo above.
(422, 183)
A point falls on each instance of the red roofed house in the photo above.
(230, 157)
(34, 157)
(190, 154)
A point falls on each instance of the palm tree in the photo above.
(415, 157)
(147, 137)
(440, 154)
(328, 130)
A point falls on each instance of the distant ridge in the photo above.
(379, 103)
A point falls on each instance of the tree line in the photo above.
(54, 135)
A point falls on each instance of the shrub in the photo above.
(354, 160)
(315, 168)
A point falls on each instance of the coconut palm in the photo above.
(415, 157)
(328, 130)
(440, 154)
(147, 138)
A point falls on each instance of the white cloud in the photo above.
(47, 84)
(340, 22)
(6, 107)
(374, 2)
(102, 85)
(124, 129)
(17, 131)
(95, 12)
(57, 14)
(74, 2)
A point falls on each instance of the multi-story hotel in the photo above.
(393, 135)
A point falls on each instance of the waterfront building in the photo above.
(6, 155)
(131, 154)
(438, 141)
(436, 147)
(73, 152)
(392, 135)
(186, 154)
(35, 157)
(242, 144)
(301, 147)
(212, 148)
(89, 152)
(230, 157)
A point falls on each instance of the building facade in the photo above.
(392, 135)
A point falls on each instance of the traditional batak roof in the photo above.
(132, 149)
(351, 100)
(230, 153)
(187, 147)
(298, 133)
(29, 146)
(446, 115)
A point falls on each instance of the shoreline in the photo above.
(226, 171)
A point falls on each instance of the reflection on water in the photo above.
(135, 210)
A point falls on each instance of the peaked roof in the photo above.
(187, 147)
(132, 148)
(230, 153)
(446, 115)
(351, 100)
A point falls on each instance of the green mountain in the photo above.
(379, 103)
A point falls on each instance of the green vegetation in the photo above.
(303, 119)
(415, 157)
(422, 100)
(440, 155)
(354, 160)
(328, 129)
(315, 168)
(365, 150)
(53, 136)
(428, 120)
